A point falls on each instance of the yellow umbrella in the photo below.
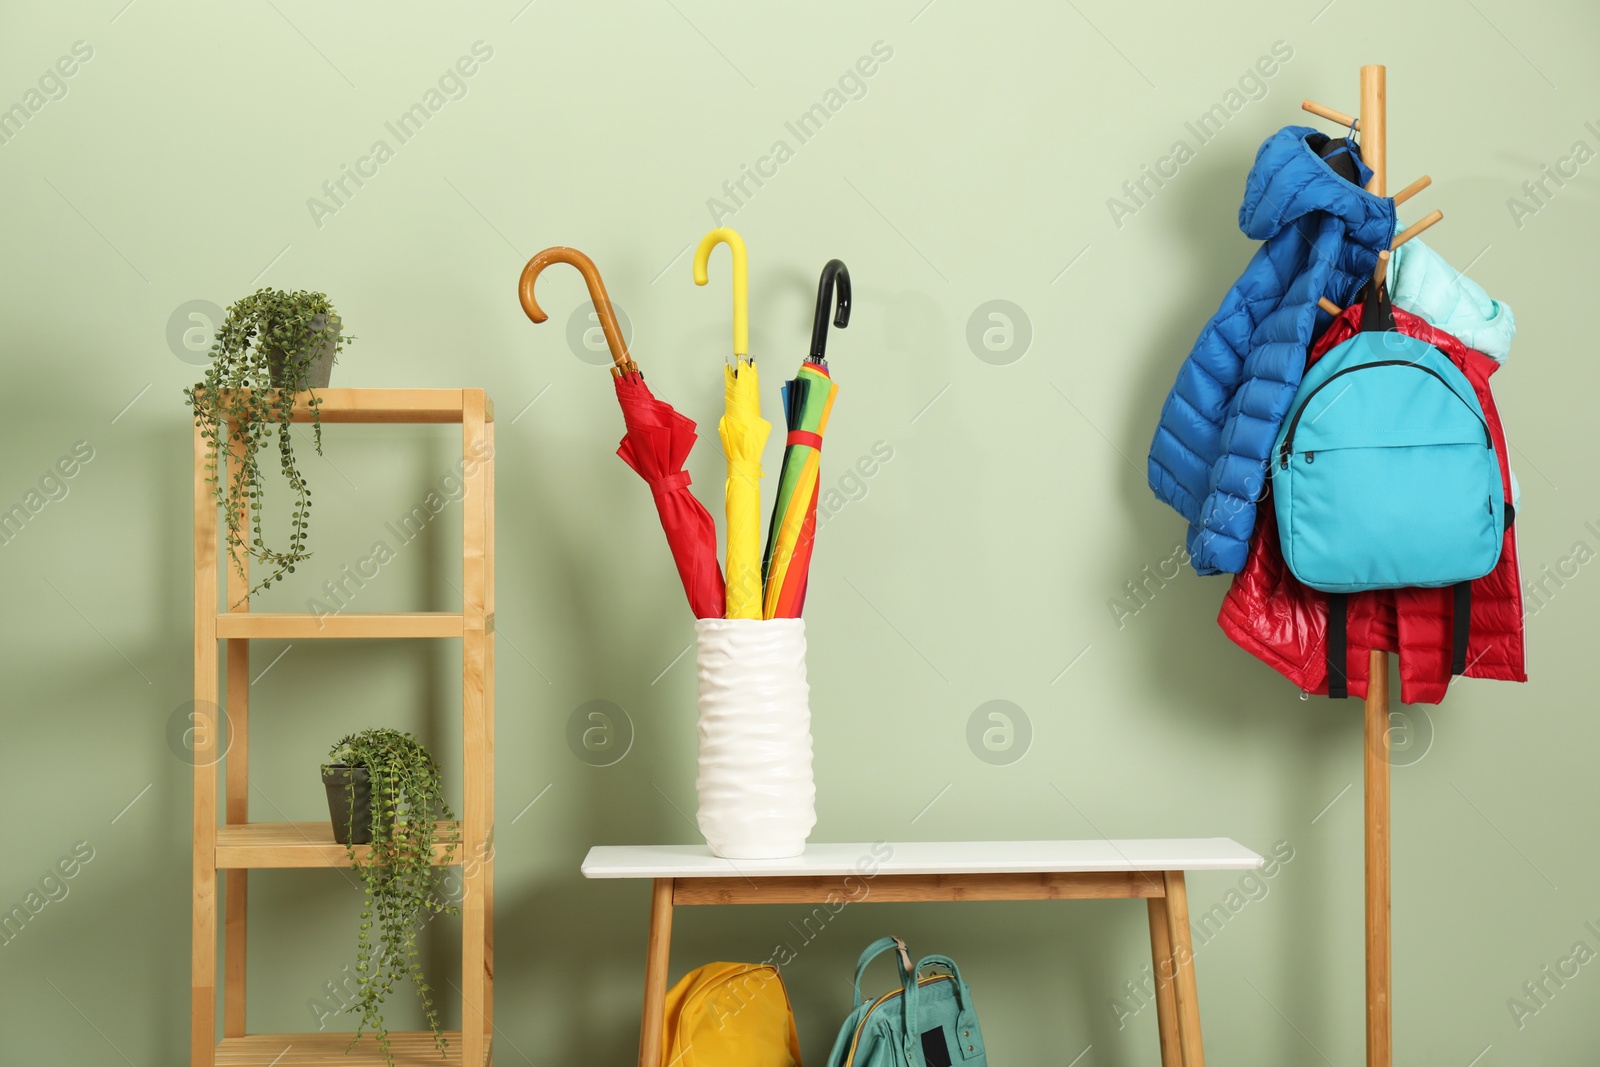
(744, 434)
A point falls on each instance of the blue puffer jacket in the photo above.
(1322, 236)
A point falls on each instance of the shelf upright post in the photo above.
(475, 625)
(203, 749)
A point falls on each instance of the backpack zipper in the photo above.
(1288, 439)
(855, 1038)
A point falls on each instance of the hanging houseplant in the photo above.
(401, 881)
(271, 345)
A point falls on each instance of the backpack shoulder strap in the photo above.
(1462, 626)
(1377, 313)
(1337, 642)
(1338, 615)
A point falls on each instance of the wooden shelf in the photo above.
(391, 405)
(306, 626)
(303, 844)
(411, 1049)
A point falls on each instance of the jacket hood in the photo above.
(1291, 180)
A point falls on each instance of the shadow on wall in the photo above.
(1186, 670)
(1195, 671)
(576, 947)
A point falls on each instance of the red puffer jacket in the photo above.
(1269, 614)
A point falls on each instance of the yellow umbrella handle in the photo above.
(741, 281)
(597, 294)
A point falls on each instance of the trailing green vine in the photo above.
(262, 353)
(400, 879)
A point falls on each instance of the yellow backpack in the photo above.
(730, 1015)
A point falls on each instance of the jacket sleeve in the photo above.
(1313, 257)
(1189, 433)
(1282, 288)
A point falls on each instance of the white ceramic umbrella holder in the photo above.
(756, 792)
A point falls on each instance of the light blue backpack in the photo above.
(928, 1022)
(1385, 476)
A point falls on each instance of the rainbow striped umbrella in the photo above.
(807, 403)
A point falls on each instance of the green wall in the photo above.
(978, 563)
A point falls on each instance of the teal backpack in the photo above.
(928, 1022)
(1385, 476)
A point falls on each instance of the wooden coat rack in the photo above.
(1373, 128)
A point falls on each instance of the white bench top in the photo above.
(929, 857)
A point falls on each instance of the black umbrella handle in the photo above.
(834, 275)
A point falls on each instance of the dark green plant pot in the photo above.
(350, 810)
(320, 368)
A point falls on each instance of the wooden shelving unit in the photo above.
(225, 853)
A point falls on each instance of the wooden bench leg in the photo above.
(1188, 1004)
(655, 973)
(1165, 973)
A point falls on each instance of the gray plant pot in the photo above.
(319, 370)
(350, 810)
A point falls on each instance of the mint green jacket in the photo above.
(1423, 283)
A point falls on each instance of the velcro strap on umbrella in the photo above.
(805, 437)
(671, 483)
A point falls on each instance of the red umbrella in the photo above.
(656, 444)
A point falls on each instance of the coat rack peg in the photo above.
(1413, 189)
(1329, 306)
(1417, 227)
(1323, 112)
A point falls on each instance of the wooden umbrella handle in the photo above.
(597, 294)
